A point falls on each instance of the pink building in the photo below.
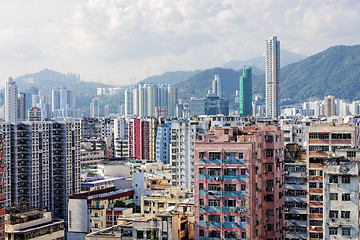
(239, 183)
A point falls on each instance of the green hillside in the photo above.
(335, 71)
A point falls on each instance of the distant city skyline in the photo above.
(126, 41)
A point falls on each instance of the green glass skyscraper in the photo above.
(245, 93)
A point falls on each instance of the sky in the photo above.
(123, 41)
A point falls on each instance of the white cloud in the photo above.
(115, 40)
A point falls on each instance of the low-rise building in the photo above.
(32, 224)
(170, 225)
(96, 210)
(161, 200)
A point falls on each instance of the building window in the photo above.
(270, 212)
(316, 198)
(316, 223)
(242, 218)
(230, 235)
(214, 203)
(269, 139)
(242, 203)
(243, 235)
(334, 214)
(201, 155)
(333, 179)
(214, 187)
(312, 184)
(230, 172)
(341, 136)
(214, 218)
(333, 231)
(269, 197)
(201, 217)
(214, 155)
(346, 231)
(269, 153)
(318, 148)
(270, 227)
(312, 172)
(140, 234)
(351, 154)
(229, 218)
(345, 179)
(214, 234)
(345, 214)
(229, 203)
(201, 186)
(241, 155)
(201, 171)
(345, 197)
(316, 210)
(201, 233)
(243, 187)
(333, 196)
(201, 202)
(318, 136)
(214, 171)
(270, 167)
(229, 187)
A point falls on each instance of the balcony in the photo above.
(222, 224)
(209, 193)
(221, 178)
(224, 161)
(96, 207)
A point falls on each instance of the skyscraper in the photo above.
(11, 101)
(216, 86)
(21, 107)
(245, 93)
(329, 105)
(42, 164)
(272, 77)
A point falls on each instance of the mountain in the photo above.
(335, 71)
(286, 57)
(170, 77)
(48, 79)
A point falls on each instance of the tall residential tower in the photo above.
(245, 93)
(272, 77)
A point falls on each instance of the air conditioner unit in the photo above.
(232, 209)
(242, 210)
(286, 172)
(216, 178)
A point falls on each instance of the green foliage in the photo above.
(335, 71)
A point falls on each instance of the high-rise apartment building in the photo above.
(216, 86)
(42, 160)
(323, 140)
(329, 106)
(95, 108)
(11, 101)
(295, 213)
(272, 77)
(142, 100)
(245, 93)
(21, 107)
(139, 138)
(239, 183)
(183, 136)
